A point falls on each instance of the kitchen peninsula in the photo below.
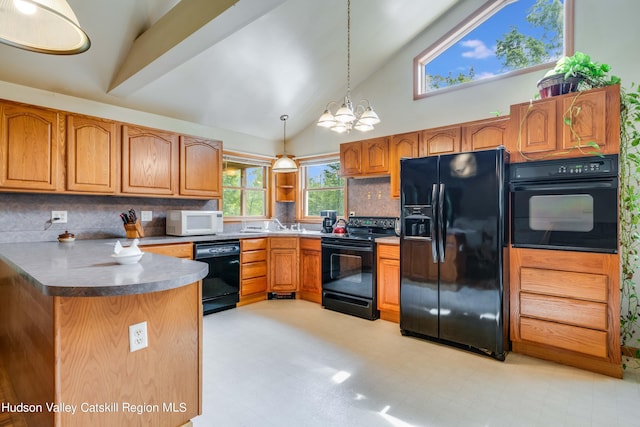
(65, 312)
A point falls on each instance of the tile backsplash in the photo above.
(27, 217)
(371, 197)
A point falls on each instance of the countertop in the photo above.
(166, 240)
(392, 240)
(86, 268)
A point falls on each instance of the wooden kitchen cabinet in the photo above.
(253, 270)
(178, 250)
(351, 159)
(565, 307)
(30, 145)
(283, 259)
(92, 154)
(149, 161)
(200, 167)
(388, 267)
(285, 184)
(365, 158)
(405, 145)
(310, 270)
(442, 140)
(540, 128)
(485, 134)
(375, 156)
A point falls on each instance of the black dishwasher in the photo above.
(221, 286)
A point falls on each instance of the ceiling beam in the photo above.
(172, 40)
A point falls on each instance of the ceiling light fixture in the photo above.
(346, 117)
(284, 163)
(43, 26)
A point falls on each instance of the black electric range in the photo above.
(349, 283)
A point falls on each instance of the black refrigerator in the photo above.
(453, 235)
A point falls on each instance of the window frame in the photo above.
(302, 192)
(253, 160)
(477, 18)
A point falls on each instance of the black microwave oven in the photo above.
(565, 204)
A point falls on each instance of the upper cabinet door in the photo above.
(351, 159)
(149, 161)
(485, 134)
(29, 148)
(92, 154)
(587, 115)
(375, 156)
(403, 145)
(200, 167)
(537, 127)
(444, 140)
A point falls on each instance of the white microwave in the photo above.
(194, 223)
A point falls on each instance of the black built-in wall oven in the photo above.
(565, 204)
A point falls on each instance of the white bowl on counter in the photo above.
(127, 259)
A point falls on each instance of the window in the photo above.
(244, 188)
(501, 38)
(322, 187)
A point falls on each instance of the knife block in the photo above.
(133, 231)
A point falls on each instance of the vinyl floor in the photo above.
(292, 363)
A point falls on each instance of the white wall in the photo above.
(608, 31)
(232, 140)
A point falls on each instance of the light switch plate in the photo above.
(146, 215)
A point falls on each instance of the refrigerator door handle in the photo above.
(432, 226)
(442, 231)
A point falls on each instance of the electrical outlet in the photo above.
(58, 217)
(352, 213)
(146, 215)
(138, 336)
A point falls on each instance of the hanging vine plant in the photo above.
(629, 218)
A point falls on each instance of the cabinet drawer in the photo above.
(283, 243)
(253, 244)
(564, 283)
(179, 250)
(566, 310)
(310, 244)
(253, 269)
(389, 251)
(253, 286)
(253, 256)
(568, 337)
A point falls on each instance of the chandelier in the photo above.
(362, 117)
(44, 26)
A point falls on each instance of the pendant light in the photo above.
(362, 117)
(284, 163)
(43, 26)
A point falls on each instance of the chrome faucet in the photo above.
(277, 221)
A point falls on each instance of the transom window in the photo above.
(322, 187)
(501, 38)
(245, 188)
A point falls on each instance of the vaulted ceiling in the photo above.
(230, 64)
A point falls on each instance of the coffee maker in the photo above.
(328, 220)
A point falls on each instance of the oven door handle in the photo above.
(348, 247)
(611, 183)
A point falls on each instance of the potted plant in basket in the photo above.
(573, 73)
